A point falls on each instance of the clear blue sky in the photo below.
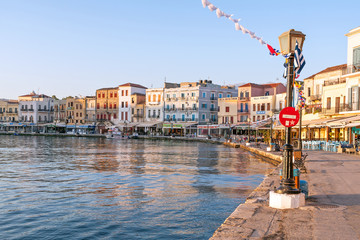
(73, 47)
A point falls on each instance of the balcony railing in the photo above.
(312, 109)
(335, 81)
(315, 97)
(213, 109)
(243, 111)
(213, 98)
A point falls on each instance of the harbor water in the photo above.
(91, 188)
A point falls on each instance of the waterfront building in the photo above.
(353, 72)
(154, 104)
(90, 109)
(75, 110)
(137, 107)
(257, 101)
(228, 110)
(193, 103)
(131, 106)
(36, 108)
(324, 91)
(107, 105)
(60, 111)
(9, 110)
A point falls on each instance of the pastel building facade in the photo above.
(36, 108)
(195, 102)
(9, 110)
(127, 93)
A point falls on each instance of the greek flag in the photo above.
(299, 61)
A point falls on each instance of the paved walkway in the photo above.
(332, 210)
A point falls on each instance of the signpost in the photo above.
(289, 117)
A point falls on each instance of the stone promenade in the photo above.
(332, 210)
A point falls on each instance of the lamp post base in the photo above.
(286, 201)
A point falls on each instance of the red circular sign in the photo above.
(289, 117)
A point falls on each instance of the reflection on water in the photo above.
(82, 188)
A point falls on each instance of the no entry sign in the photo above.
(289, 117)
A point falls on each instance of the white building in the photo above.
(195, 101)
(36, 108)
(125, 100)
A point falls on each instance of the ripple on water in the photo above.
(78, 188)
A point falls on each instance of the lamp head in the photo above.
(288, 39)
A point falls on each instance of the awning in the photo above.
(208, 126)
(127, 125)
(354, 124)
(322, 122)
(179, 125)
(148, 124)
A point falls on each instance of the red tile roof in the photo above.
(329, 69)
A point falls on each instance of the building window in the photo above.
(231, 119)
(204, 95)
(122, 115)
(98, 105)
(203, 117)
(267, 93)
(263, 107)
(115, 95)
(110, 105)
(227, 109)
(126, 116)
(114, 115)
(122, 104)
(126, 104)
(328, 103)
(220, 95)
(99, 95)
(309, 92)
(254, 107)
(204, 106)
(111, 95)
(114, 105)
(253, 118)
(103, 95)
(122, 93)
(247, 94)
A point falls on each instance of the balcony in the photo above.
(170, 109)
(212, 98)
(315, 97)
(334, 82)
(213, 109)
(243, 111)
(313, 109)
(138, 115)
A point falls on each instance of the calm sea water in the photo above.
(83, 188)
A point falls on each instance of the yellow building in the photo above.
(9, 111)
(75, 110)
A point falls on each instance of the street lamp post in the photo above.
(271, 129)
(287, 44)
(248, 129)
(300, 122)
